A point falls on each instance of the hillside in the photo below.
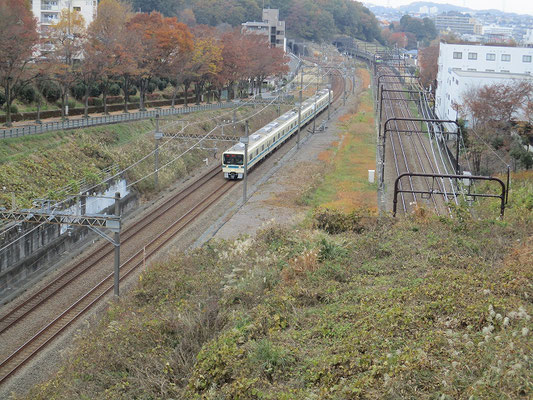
(305, 19)
(344, 305)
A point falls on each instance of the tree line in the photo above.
(121, 49)
(316, 20)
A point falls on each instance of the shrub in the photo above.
(50, 91)
(115, 99)
(151, 87)
(28, 94)
(132, 91)
(134, 99)
(78, 91)
(2, 98)
(114, 90)
(95, 101)
(14, 109)
(94, 90)
(334, 221)
(153, 96)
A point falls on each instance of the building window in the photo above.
(472, 56)
(77, 9)
(491, 57)
(489, 70)
(471, 69)
(506, 57)
(526, 59)
(457, 55)
(505, 70)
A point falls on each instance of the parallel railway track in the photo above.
(410, 154)
(35, 342)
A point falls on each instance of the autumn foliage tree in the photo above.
(109, 49)
(490, 110)
(428, 59)
(161, 39)
(19, 37)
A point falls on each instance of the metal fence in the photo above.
(108, 119)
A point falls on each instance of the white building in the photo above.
(462, 67)
(48, 12)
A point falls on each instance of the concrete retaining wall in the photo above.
(42, 249)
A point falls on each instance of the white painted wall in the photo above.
(508, 61)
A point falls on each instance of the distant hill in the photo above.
(414, 7)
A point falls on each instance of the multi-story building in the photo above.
(271, 27)
(48, 12)
(459, 24)
(462, 67)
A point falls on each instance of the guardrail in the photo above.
(105, 120)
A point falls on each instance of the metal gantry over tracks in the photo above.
(95, 222)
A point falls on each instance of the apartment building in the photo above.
(270, 26)
(48, 12)
(458, 24)
(462, 67)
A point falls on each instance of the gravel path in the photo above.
(274, 198)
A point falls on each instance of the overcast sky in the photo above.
(516, 6)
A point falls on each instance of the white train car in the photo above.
(270, 137)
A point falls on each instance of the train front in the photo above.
(233, 162)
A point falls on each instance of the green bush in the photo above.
(78, 91)
(50, 91)
(28, 95)
(114, 90)
(134, 99)
(95, 101)
(2, 98)
(14, 109)
(132, 91)
(94, 90)
(152, 86)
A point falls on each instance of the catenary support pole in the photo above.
(157, 136)
(245, 177)
(117, 247)
(300, 110)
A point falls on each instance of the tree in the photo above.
(235, 60)
(109, 49)
(67, 38)
(490, 110)
(399, 39)
(428, 59)
(205, 62)
(161, 40)
(18, 30)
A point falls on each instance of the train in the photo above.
(267, 139)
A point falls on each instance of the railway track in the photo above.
(409, 149)
(34, 343)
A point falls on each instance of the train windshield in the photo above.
(234, 159)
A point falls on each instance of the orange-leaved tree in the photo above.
(161, 41)
(109, 48)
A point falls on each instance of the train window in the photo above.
(233, 159)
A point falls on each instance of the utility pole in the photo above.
(316, 96)
(117, 247)
(157, 136)
(300, 110)
(245, 141)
